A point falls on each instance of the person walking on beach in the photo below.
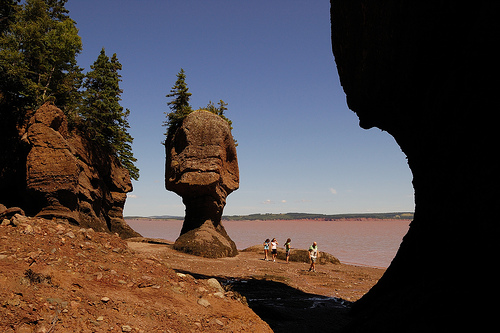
(313, 256)
(274, 248)
(287, 249)
(266, 248)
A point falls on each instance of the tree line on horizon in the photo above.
(299, 216)
(322, 217)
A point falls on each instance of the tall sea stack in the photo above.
(202, 167)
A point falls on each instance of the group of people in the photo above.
(273, 244)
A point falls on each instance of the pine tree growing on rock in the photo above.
(179, 106)
(104, 119)
(219, 110)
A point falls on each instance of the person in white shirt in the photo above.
(274, 248)
(313, 256)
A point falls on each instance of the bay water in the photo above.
(367, 243)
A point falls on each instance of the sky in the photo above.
(300, 148)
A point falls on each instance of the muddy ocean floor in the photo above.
(286, 296)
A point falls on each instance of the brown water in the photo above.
(370, 243)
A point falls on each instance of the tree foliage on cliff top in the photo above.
(179, 105)
(180, 108)
(39, 44)
(104, 118)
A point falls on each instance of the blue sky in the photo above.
(300, 147)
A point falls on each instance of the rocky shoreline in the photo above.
(57, 277)
(285, 296)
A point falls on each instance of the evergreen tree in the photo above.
(39, 43)
(219, 110)
(8, 9)
(104, 119)
(179, 106)
(38, 48)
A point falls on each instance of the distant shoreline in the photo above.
(372, 242)
(403, 216)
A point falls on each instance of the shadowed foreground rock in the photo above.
(425, 73)
(202, 167)
(51, 172)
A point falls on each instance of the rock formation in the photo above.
(425, 72)
(8, 213)
(51, 172)
(202, 167)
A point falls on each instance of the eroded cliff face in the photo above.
(425, 73)
(51, 172)
(202, 167)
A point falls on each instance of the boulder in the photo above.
(202, 168)
(207, 241)
(7, 213)
(298, 255)
(18, 219)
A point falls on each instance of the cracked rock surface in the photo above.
(202, 167)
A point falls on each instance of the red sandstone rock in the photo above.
(68, 177)
(202, 167)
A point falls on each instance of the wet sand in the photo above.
(285, 295)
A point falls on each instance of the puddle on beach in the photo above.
(272, 293)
